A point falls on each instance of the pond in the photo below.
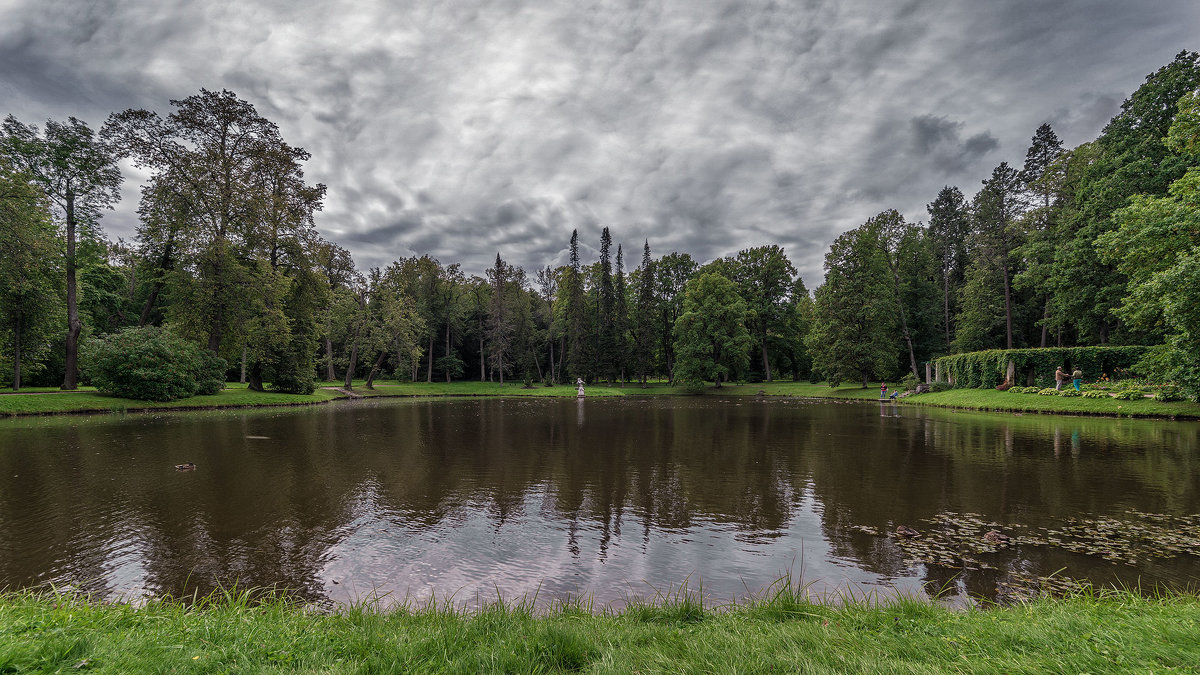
(471, 499)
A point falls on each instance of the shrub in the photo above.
(1130, 395)
(151, 364)
(1049, 391)
(1019, 390)
(1070, 393)
(1095, 394)
(940, 386)
(909, 382)
(988, 368)
(1169, 392)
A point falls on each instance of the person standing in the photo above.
(1077, 378)
(1060, 376)
(882, 390)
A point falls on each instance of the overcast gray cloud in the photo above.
(468, 127)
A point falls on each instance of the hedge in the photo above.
(987, 368)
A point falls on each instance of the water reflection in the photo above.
(521, 496)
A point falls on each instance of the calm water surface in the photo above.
(474, 498)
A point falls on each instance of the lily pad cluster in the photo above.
(956, 540)
(968, 541)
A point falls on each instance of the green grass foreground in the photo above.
(990, 399)
(1108, 632)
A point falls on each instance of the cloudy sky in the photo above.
(460, 128)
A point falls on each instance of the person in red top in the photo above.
(883, 390)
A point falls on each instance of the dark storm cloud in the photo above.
(462, 129)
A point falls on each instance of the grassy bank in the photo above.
(92, 402)
(1114, 632)
(655, 388)
(53, 402)
(990, 399)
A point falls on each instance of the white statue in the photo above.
(579, 387)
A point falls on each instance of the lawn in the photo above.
(990, 399)
(235, 396)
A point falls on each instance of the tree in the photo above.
(1129, 158)
(337, 267)
(575, 319)
(547, 281)
(78, 173)
(711, 338)
(29, 273)
(949, 225)
(672, 272)
(241, 190)
(504, 313)
(620, 317)
(1157, 246)
(645, 334)
(854, 311)
(764, 278)
(1042, 175)
(892, 231)
(996, 235)
(606, 338)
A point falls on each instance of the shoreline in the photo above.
(33, 404)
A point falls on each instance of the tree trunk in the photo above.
(500, 361)
(447, 351)
(1045, 322)
(375, 369)
(482, 360)
(256, 380)
(242, 379)
(16, 381)
(150, 301)
(329, 373)
(156, 288)
(552, 378)
(1007, 307)
(74, 325)
(912, 357)
(353, 362)
(946, 306)
(766, 359)
(429, 367)
(562, 354)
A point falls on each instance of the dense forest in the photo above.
(1092, 245)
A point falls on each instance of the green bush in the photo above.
(988, 368)
(940, 386)
(1049, 391)
(1169, 392)
(1130, 395)
(1095, 394)
(909, 382)
(1070, 393)
(151, 364)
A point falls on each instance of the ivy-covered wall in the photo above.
(988, 368)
